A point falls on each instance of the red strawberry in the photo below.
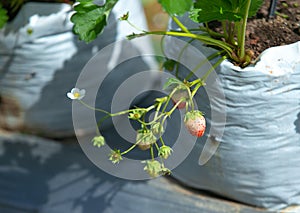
(195, 123)
(180, 95)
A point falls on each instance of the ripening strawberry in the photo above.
(180, 95)
(195, 123)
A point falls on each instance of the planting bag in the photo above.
(41, 59)
(258, 159)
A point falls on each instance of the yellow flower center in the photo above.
(76, 94)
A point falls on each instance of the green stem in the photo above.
(195, 82)
(205, 39)
(162, 141)
(243, 31)
(109, 114)
(151, 122)
(121, 113)
(164, 119)
(212, 56)
(213, 68)
(196, 89)
(162, 40)
(135, 27)
(157, 110)
(180, 55)
(152, 152)
(132, 110)
(157, 147)
(131, 148)
(93, 108)
(231, 30)
(100, 122)
(174, 108)
(209, 31)
(191, 98)
(182, 27)
(225, 32)
(168, 100)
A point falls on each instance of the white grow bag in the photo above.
(258, 159)
(37, 69)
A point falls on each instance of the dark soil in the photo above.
(284, 28)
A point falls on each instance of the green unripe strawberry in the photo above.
(180, 95)
(144, 139)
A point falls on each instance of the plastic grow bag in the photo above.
(258, 159)
(41, 59)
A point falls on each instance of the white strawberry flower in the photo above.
(76, 94)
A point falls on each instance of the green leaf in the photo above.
(176, 7)
(3, 16)
(169, 64)
(90, 19)
(232, 10)
(172, 81)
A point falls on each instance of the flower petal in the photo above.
(76, 94)
(74, 90)
(70, 95)
(82, 94)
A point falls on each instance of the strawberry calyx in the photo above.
(193, 115)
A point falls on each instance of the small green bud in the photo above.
(165, 171)
(136, 114)
(157, 128)
(98, 141)
(153, 167)
(115, 156)
(124, 17)
(165, 151)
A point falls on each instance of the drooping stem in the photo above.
(205, 39)
(134, 26)
(162, 141)
(130, 148)
(213, 68)
(152, 152)
(168, 100)
(157, 111)
(201, 63)
(180, 55)
(93, 108)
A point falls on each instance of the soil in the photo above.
(264, 32)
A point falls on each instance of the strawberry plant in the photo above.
(233, 15)
(90, 19)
